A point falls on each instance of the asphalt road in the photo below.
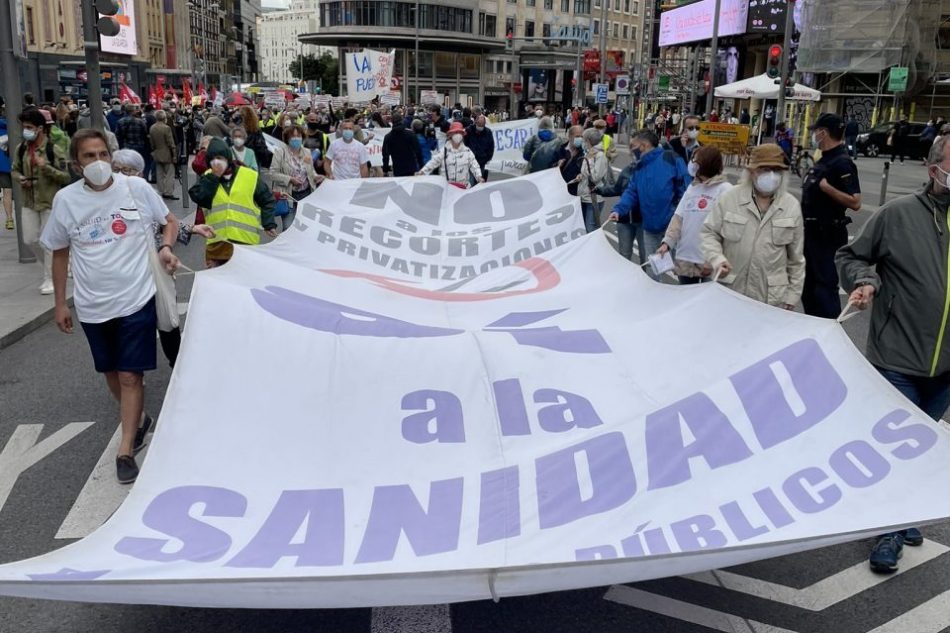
(47, 379)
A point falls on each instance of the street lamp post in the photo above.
(416, 58)
(603, 47)
(713, 45)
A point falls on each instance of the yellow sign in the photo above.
(730, 139)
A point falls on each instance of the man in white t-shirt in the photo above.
(347, 157)
(105, 223)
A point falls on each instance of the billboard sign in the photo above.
(125, 42)
(767, 16)
(694, 22)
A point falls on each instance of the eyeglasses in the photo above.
(126, 171)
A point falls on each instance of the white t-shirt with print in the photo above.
(347, 158)
(108, 234)
(694, 207)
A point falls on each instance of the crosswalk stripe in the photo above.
(100, 496)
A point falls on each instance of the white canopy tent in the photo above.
(764, 87)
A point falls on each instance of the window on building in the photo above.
(529, 3)
(597, 3)
(626, 32)
(633, 33)
(596, 27)
(546, 33)
(636, 7)
(490, 21)
(30, 28)
(626, 6)
(549, 5)
(565, 6)
(582, 7)
(509, 27)
(616, 30)
(529, 28)
(616, 5)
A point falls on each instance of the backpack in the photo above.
(50, 158)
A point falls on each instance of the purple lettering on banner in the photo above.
(797, 488)
(517, 200)
(570, 411)
(512, 414)
(322, 513)
(818, 385)
(520, 319)
(873, 467)
(499, 508)
(613, 481)
(319, 314)
(698, 532)
(396, 510)
(424, 203)
(442, 423)
(169, 513)
(738, 522)
(598, 552)
(553, 338)
(916, 439)
(656, 541)
(668, 455)
(773, 508)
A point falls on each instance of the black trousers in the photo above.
(820, 297)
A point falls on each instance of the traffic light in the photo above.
(774, 63)
(107, 25)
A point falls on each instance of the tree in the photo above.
(323, 69)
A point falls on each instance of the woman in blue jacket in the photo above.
(6, 184)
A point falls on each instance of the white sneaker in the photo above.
(46, 288)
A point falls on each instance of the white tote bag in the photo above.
(166, 299)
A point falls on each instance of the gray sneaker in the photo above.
(126, 470)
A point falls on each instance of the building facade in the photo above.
(247, 40)
(212, 40)
(491, 52)
(279, 31)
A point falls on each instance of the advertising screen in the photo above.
(694, 22)
(125, 42)
(767, 16)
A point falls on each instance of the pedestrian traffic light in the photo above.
(107, 24)
(774, 64)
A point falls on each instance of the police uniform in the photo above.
(826, 224)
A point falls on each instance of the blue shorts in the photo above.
(126, 343)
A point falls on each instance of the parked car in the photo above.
(874, 142)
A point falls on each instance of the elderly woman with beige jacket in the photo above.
(753, 237)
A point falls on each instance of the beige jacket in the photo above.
(765, 251)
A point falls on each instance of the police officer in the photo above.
(829, 189)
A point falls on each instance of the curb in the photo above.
(30, 326)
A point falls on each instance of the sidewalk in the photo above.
(22, 307)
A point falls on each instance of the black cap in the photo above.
(828, 120)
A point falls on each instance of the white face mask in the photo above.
(946, 182)
(238, 142)
(768, 182)
(97, 173)
(457, 139)
(220, 163)
(29, 135)
(692, 168)
(692, 134)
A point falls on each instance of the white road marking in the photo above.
(434, 618)
(687, 612)
(930, 617)
(824, 593)
(22, 451)
(100, 496)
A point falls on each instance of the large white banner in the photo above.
(477, 400)
(125, 43)
(510, 139)
(368, 74)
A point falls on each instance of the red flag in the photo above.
(160, 92)
(202, 93)
(186, 91)
(127, 94)
(175, 98)
(151, 96)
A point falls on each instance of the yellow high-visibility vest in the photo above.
(607, 141)
(233, 215)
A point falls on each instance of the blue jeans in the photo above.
(930, 394)
(648, 242)
(625, 235)
(592, 215)
(287, 221)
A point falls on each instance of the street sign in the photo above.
(623, 84)
(897, 80)
(663, 83)
(730, 139)
(600, 93)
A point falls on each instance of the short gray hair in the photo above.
(593, 136)
(545, 123)
(935, 157)
(160, 116)
(130, 159)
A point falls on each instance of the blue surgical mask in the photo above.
(296, 143)
(578, 142)
(348, 135)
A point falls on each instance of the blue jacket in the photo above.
(655, 188)
(426, 145)
(4, 156)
